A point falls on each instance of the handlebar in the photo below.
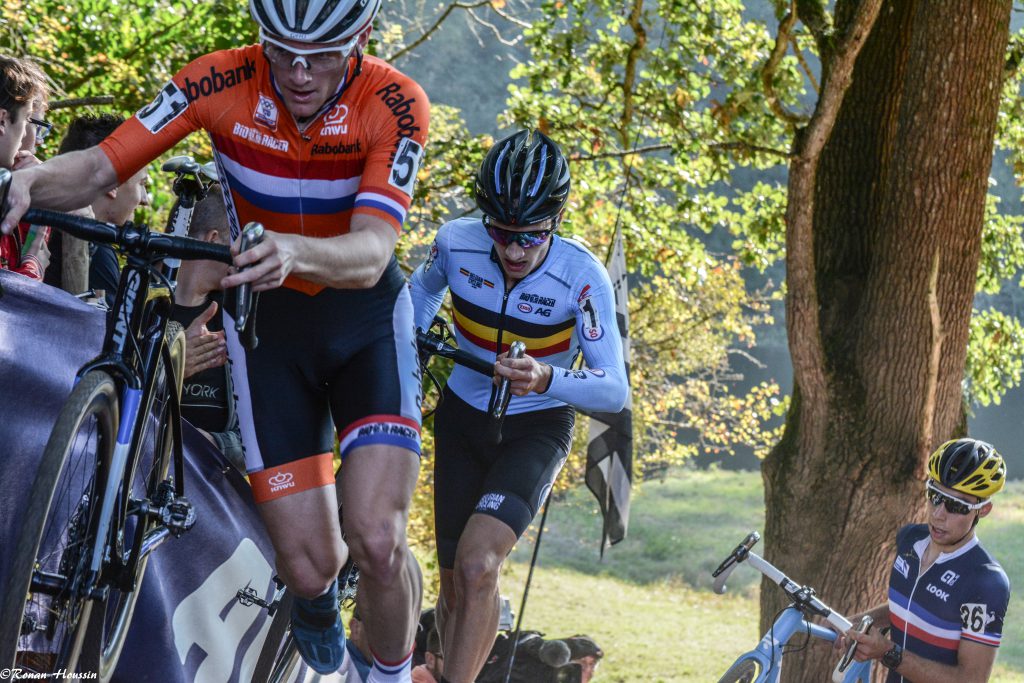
(803, 597)
(429, 344)
(129, 236)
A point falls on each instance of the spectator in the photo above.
(539, 660)
(358, 658)
(432, 668)
(22, 87)
(115, 206)
(585, 652)
(206, 393)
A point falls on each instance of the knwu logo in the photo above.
(280, 481)
(334, 122)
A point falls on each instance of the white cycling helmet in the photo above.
(314, 21)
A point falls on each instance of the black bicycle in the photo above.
(110, 485)
(280, 660)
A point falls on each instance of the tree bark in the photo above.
(896, 204)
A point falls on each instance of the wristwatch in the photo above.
(894, 657)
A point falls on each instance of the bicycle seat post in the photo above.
(191, 183)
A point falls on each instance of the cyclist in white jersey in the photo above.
(511, 278)
(947, 595)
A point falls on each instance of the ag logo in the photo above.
(266, 112)
(167, 106)
(334, 122)
(405, 165)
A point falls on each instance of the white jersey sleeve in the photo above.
(429, 282)
(602, 386)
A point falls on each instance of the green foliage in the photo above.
(995, 356)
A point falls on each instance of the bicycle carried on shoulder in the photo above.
(763, 664)
(280, 660)
(110, 486)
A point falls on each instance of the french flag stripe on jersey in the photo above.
(983, 638)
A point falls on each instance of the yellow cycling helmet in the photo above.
(969, 466)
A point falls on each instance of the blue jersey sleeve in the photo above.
(602, 386)
(429, 282)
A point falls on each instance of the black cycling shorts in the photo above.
(508, 482)
(341, 359)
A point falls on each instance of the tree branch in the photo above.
(746, 146)
(629, 75)
(81, 102)
(814, 15)
(802, 307)
(624, 152)
(804, 65)
(770, 66)
(434, 28)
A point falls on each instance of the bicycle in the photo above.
(105, 495)
(763, 664)
(280, 660)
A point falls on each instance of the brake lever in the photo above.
(501, 400)
(252, 234)
(847, 659)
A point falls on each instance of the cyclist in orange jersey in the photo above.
(321, 144)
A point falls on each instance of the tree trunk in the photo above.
(898, 203)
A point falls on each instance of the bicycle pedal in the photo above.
(179, 516)
(248, 597)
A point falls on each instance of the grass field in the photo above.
(649, 603)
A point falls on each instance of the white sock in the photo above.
(398, 672)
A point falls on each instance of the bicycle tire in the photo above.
(63, 484)
(108, 627)
(745, 670)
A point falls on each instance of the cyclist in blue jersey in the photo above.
(947, 595)
(511, 277)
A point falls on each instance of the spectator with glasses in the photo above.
(23, 89)
(321, 144)
(947, 595)
(511, 277)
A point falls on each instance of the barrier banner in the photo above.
(187, 625)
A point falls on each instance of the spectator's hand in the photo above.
(272, 260)
(204, 349)
(526, 374)
(24, 159)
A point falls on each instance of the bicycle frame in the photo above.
(790, 622)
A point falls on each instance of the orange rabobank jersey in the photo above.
(360, 155)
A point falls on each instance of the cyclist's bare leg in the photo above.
(377, 482)
(310, 560)
(470, 596)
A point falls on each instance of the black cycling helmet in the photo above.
(314, 21)
(969, 466)
(524, 179)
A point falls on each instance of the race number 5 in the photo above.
(405, 165)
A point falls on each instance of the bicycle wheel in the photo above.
(110, 621)
(746, 670)
(45, 626)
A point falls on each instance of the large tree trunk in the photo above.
(898, 205)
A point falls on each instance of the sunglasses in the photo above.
(526, 240)
(315, 61)
(954, 506)
(43, 128)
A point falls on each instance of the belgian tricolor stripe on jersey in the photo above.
(480, 326)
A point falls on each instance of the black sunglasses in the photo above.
(954, 506)
(526, 240)
(43, 128)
